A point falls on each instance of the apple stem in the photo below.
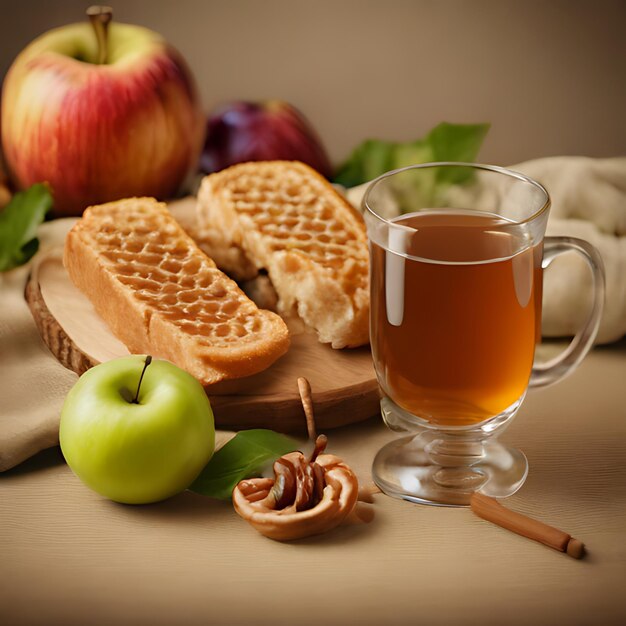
(143, 371)
(100, 17)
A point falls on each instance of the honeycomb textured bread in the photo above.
(216, 245)
(290, 221)
(160, 294)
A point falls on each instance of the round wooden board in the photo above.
(343, 381)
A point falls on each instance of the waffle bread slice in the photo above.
(290, 221)
(161, 295)
(229, 258)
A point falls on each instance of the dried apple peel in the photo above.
(306, 497)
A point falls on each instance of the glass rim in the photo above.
(479, 166)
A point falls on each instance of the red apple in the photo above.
(100, 117)
(261, 131)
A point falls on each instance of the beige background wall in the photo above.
(549, 76)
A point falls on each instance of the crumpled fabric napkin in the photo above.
(33, 384)
(589, 202)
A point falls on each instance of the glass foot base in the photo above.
(431, 467)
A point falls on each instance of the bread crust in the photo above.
(160, 294)
(289, 220)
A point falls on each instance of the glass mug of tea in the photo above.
(457, 255)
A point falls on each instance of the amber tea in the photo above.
(455, 316)
(456, 309)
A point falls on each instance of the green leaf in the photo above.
(411, 152)
(244, 456)
(445, 142)
(367, 160)
(18, 225)
(456, 142)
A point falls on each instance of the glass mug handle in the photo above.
(566, 362)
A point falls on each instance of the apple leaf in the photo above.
(445, 142)
(18, 225)
(246, 455)
(456, 142)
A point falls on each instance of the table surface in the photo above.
(69, 556)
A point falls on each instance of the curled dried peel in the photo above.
(261, 505)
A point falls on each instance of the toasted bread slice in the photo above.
(289, 220)
(228, 257)
(160, 294)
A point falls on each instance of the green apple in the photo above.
(136, 430)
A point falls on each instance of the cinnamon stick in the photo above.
(492, 511)
(307, 404)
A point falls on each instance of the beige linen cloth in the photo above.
(33, 384)
(589, 201)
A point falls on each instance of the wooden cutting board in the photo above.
(343, 381)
